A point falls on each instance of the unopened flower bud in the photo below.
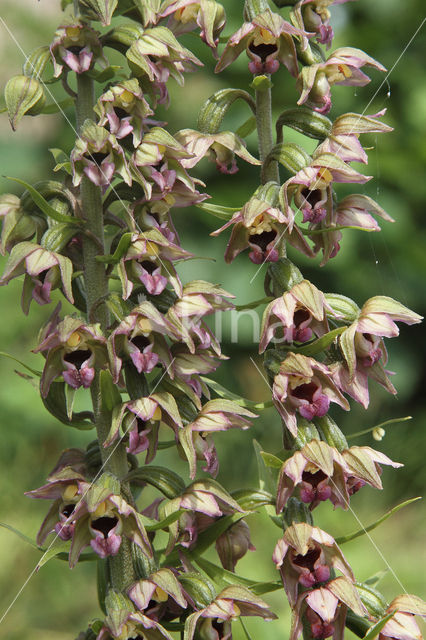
(378, 433)
(23, 96)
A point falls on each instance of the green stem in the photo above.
(96, 284)
(264, 132)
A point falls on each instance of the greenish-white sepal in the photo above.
(346, 309)
(36, 62)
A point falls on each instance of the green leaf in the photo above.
(56, 403)
(220, 575)
(224, 213)
(229, 395)
(52, 552)
(121, 249)
(30, 369)
(110, 395)
(20, 535)
(320, 344)
(164, 523)
(376, 578)
(374, 631)
(361, 532)
(271, 461)
(45, 206)
(266, 481)
(253, 305)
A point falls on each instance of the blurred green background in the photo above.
(55, 604)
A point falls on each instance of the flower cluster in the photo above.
(139, 339)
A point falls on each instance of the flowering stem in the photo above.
(96, 284)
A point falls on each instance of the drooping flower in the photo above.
(78, 47)
(305, 386)
(18, 223)
(402, 625)
(195, 438)
(314, 16)
(343, 139)
(74, 349)
(45, 270)
(233, 544)
(124, 623)
(63, 487)
(137, 422)
(158, 164)
(98, 155)
(199, 299)
(158, 594)
(122, 109)
(102, 517)
(296, 316)
(363, 348)
(311, 187)
(342, 67)
(186, 15)
(305, 556)
(157, 55)
(214, 621)
(323, 473)
(204, 501)
(148, 261)
(261, 226)
(268, 41)
(140, 337)
(222, 146)
(325, 609)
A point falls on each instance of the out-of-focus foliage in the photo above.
(55, 604)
